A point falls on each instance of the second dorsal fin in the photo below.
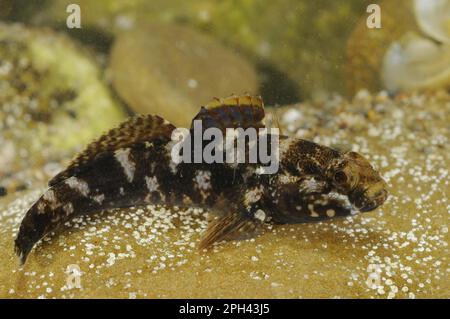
(232, 112)
(136, 129)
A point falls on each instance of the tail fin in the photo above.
(53, 209)
(32, 229)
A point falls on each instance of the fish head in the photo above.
(352, 175)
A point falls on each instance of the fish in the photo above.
(133, 165)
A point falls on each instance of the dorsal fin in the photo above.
(232, 112)
(136, 129)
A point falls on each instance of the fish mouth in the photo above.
(366, 203)
(369, 207)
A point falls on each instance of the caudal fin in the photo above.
(30, 232)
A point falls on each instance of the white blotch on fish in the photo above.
(123, 157)
(79, 185)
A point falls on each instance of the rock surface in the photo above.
(171, 70)
(397, 251)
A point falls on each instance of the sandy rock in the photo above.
(398, 251)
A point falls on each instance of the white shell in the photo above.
(415, 62)
(433, 17)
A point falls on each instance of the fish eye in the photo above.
(340, 177)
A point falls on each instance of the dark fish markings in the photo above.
(131, 165)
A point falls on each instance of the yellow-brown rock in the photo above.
(171, 70)
(398, 251)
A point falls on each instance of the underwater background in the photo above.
(346, 74)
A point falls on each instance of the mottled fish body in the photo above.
(132, 165)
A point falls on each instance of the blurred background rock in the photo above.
(298, 47)
(171, 70)
(52, 99)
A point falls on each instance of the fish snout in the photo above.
(369, 199)
(374, 197)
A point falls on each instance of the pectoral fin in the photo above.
(232, 226)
